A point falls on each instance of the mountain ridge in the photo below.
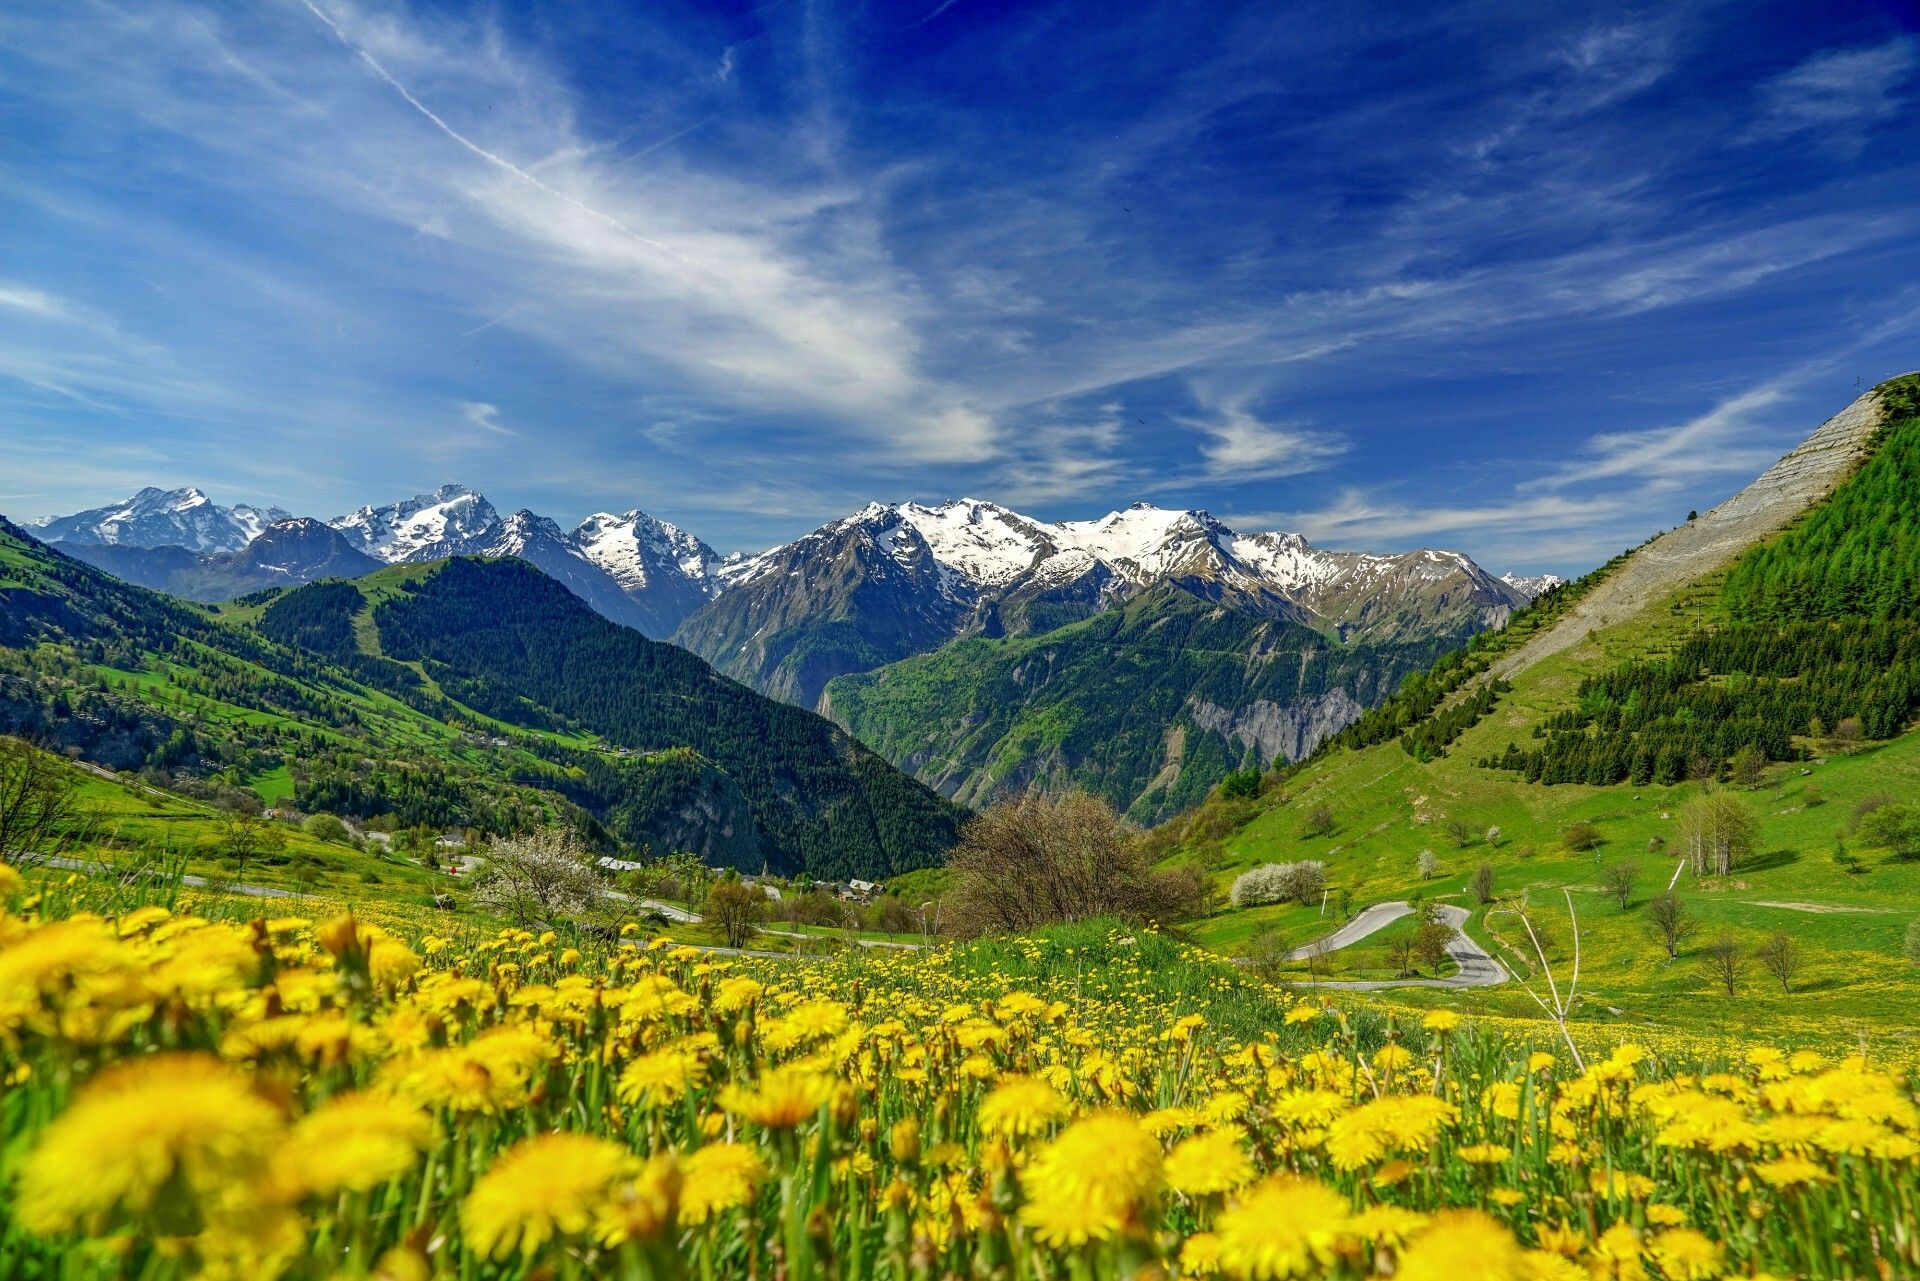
(464, 692)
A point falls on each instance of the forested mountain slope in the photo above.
(306, 693)
(1148, 704)
(1776, 673)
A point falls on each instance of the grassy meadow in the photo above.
(203, 1090)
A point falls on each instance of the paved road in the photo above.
(1370, 921)
(189, 879)
(1477, 966)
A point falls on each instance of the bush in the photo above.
(325, 827)
(1241, 785)
(1582, 837)
(1318, 822)
(1894, 828)
(1049, 858)
(1301, 882)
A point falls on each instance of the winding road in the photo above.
(1477, 967)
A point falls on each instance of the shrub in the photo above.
(1318, 822)
(1046, 858)
(1582, 837)
(325, 827)
(1300, 882)
(1243, 784)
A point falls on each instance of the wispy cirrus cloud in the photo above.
(749, 268)
(1839, 89)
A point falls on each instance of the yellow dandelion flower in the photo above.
(1463, 1243)
(1391, 1226)
(1286, 1226)
(140, 1129)
(1210, 1163)
(353, 1142)
(1088, 1183)
(1791, 1172)
(640, 1208)
(541, 1188)
(1021, 1105)
(1686, 1255)
(1200, 1255)
(1441, 1021)
(660, 1078)
(718, 1177)
(781, 1099)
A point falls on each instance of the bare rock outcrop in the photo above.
(1716, 537)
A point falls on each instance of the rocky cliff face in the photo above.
(1148, 704)
(1279, 731)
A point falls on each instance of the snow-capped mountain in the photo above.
(162, 518)
(287, 553)
(451, 521)
(897, 579)
(889, 580)
(1532, 585)
(634, 569)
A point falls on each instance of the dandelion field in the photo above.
(187, 1095)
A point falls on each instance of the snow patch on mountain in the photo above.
(638, 550)
(451, 521)
(162, 518)
(1532, 585)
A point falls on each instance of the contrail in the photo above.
(476, 148)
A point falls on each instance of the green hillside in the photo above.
(1148, 704)
(1777, 676)
(465, 693)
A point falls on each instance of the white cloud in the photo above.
(479, 413)
(1841, 87)
(1717, 442)
(1242, 448)
(33, 301)
(1359, 518)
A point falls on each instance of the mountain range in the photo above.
(1249, 647)
(462, 692)
(962, 568)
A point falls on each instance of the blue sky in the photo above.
(1524, 279)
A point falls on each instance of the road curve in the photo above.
(1477, 967)
(1367, 922)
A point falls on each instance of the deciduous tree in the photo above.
(1620, 878)
(544, 874)
(1716, 832)
(1780, 955)
(737, 908)
(39, 808)
(1725, 961)
(1047, 857)
(1671, 923)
